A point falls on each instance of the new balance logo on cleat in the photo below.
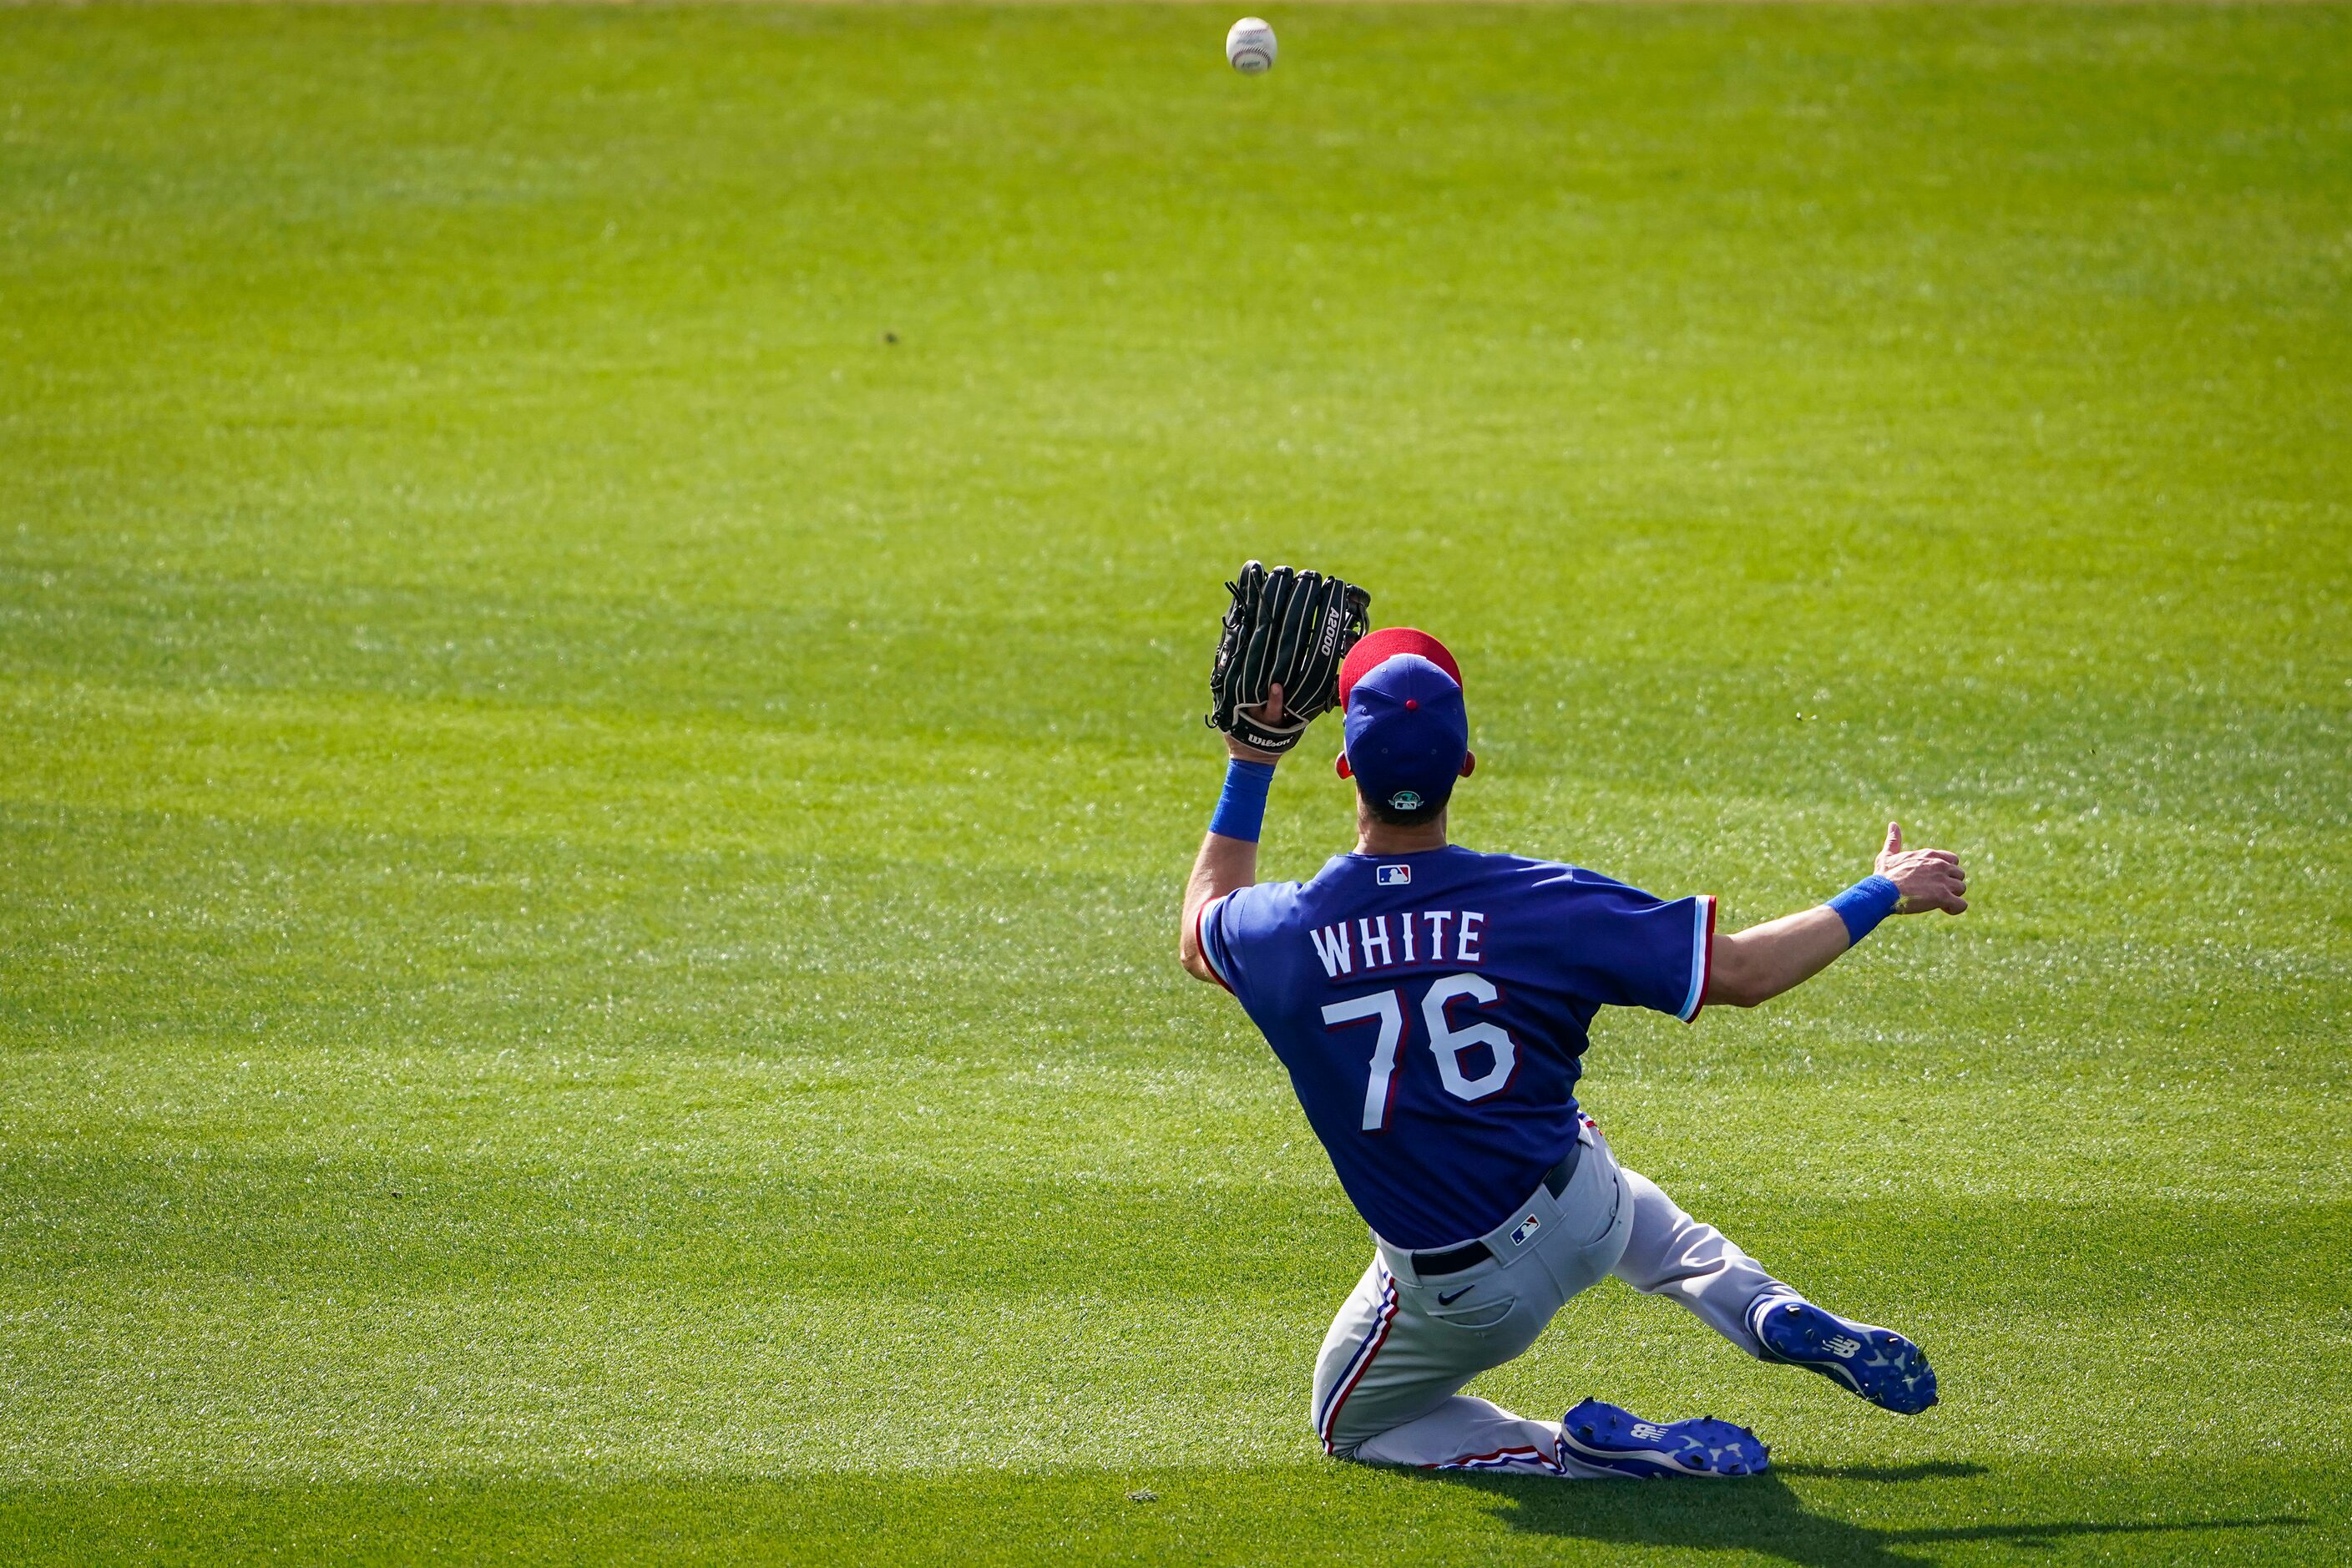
(1879, 1364)
(1602, 1440)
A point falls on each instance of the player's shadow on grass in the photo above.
(1924, 1471)
(1762, 1515)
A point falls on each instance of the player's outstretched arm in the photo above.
(1752, 966)
(1227, 859)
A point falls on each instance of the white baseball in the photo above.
(1250, 46)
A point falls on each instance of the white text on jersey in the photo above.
(1419, 939)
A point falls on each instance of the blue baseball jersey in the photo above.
(1432, 1009)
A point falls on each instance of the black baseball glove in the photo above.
(1289, 629)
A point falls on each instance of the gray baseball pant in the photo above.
(1387, 1380)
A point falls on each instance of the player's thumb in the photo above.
(1893, 839)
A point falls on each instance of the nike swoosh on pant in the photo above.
(1445, 1300)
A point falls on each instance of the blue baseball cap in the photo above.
(1408, 732)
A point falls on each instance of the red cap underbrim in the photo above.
(1377, 648)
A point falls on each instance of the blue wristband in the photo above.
(1241, 810)
(1864, 904)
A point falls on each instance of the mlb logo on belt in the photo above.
(1395, 876)
(1526, 1228)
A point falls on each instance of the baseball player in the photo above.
(1432, 1005)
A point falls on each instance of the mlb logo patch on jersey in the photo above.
(1395, 876)
(1526, 1228)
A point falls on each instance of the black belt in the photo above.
(1455, 1260)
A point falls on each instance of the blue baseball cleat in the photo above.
(1606, 1437)
(1877, 1363)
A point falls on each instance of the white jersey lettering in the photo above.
(1466, 948)
(1371, 944)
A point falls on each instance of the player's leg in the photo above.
(1667, 1253)
(1594, 1441)
(1670, 1254)
(1465, 1433)
(1394, 1353)
(1405, 1343)
(1388, 1381)
(1358, 1333)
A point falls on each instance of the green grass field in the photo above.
(588, 843)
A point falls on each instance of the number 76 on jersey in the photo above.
(1449, 1042)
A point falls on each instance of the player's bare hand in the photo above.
(1927, 878)
(1269, 713)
